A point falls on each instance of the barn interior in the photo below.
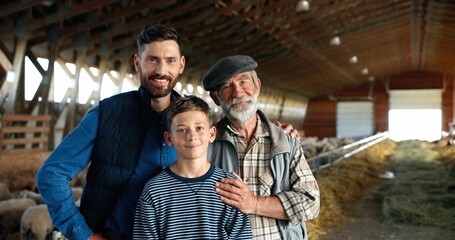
(331, 68)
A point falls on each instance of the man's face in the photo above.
(238, 97)
(159, 66)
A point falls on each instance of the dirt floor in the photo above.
(364, 222)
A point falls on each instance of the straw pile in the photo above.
(345, 183)
(446, 153)
(422, 192)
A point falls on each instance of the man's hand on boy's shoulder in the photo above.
(288, 128)
(236, 193)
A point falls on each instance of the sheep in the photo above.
(32, 195)
(10, 214)
(56, 235)
(4, 191)
(36, 223)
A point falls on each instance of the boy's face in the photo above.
(191, 134)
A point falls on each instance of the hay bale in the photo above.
(446, 153)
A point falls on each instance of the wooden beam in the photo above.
(107, 19)
(427, 9)
(5, 61)
(73, 91)
(64, 11)
(95, 95)
(16, 6)
(139, 24)
(43, 90)
(9, 87)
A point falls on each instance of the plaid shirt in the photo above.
(254, 161)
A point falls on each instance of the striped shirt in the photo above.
(254, 162)
(174, 207)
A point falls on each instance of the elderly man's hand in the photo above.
(288, 128)
(236, 193)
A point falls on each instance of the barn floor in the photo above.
(364, 222)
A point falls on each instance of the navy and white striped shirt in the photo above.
(174, 207)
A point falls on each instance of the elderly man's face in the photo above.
(238, 97)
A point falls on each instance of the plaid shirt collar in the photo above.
(261, 129)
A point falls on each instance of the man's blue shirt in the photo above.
(155, 156)
(73, 154)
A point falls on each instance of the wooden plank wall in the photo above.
(320, 119)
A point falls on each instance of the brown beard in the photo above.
(160, 91)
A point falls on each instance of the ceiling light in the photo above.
(302, 5)
(200, 90)
(178, 86)
(365, 71)
(335, 41)
(190, 88)
(353, 59)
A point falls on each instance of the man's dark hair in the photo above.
(158, 33)
(185, 104)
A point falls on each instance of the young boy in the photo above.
(181, 202)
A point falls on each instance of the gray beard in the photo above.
(240, 114)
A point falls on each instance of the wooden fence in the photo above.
(24, 134)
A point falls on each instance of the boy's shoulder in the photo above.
(224, 173)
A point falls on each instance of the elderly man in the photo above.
(278, 189)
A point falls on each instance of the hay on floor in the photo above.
(421, 192)
(345, 182)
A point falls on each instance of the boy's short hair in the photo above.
(185, 104)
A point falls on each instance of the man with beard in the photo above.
(278, 189)
(123, 141)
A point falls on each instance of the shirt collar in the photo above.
(261, 129)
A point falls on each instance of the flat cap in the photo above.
(227, 68)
